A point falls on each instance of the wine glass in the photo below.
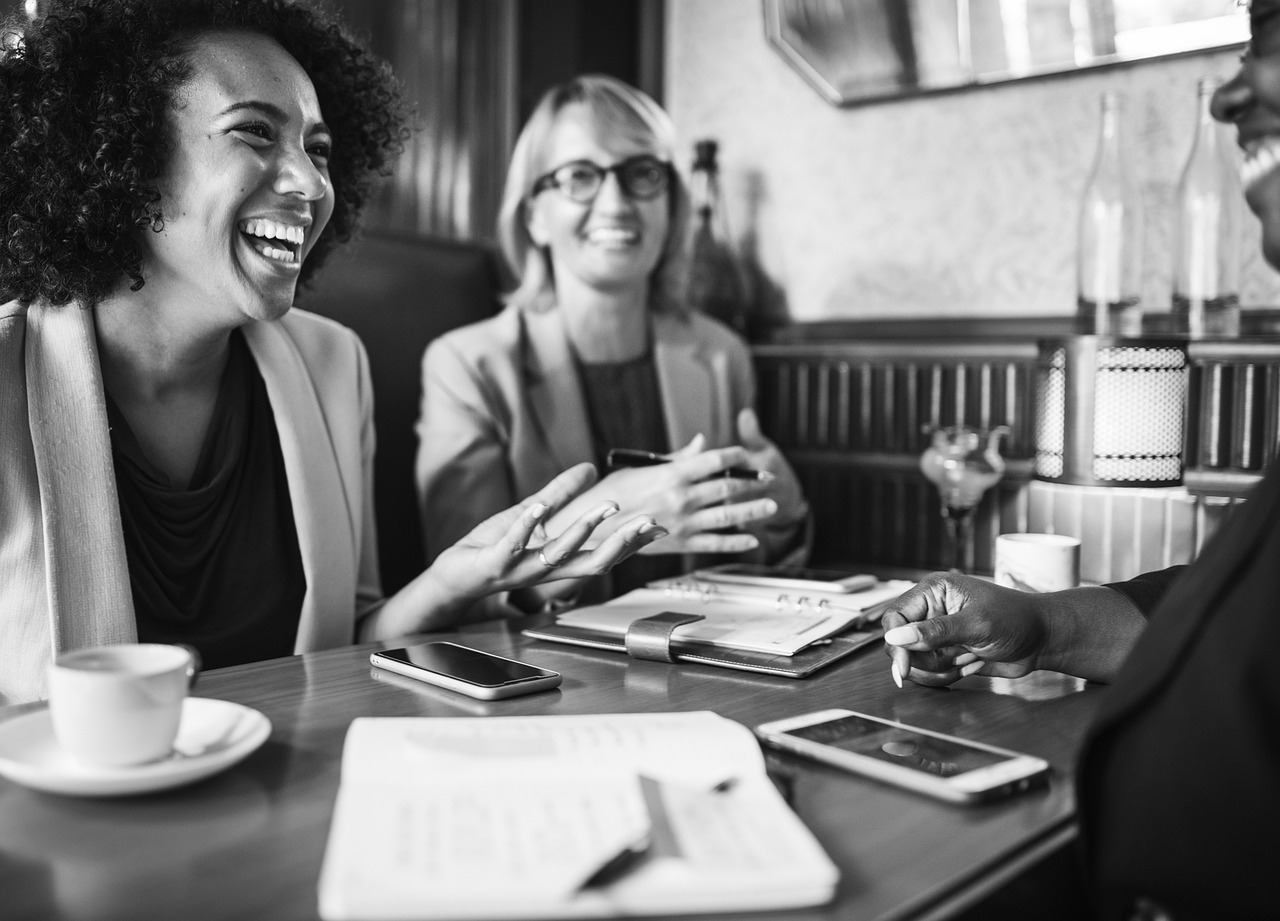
(963, 462)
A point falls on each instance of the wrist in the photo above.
(426, 603)
(1088, 631)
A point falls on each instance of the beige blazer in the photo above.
(64, 581)
(503, 412)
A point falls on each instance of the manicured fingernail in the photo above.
(609, 512)
(902, 636)
(971, 668)
(897, 675)
(537, 510)
(651, 527)
(771, 506)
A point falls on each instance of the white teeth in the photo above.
(279, 255)
(274, 230)
(1261, 158)
(612, 235)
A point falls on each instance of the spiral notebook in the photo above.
(753, 629)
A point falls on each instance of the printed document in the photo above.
(507, 817)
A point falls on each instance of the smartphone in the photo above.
(468, 671)
(787, 577)
(932, 763)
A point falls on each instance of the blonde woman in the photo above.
(595, 350)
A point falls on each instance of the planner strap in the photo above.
(650, 637)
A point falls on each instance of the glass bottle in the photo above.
(1206, 250)
(1109, 253)
(715, 283)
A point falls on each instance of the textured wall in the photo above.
(959, 204)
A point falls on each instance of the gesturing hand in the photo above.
(511, 550)
(949, 626)
(694, 501)
(764, 455)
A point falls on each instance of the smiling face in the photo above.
(246, 192)
(612, 243)
(1251, 101)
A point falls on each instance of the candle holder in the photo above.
(963, 462)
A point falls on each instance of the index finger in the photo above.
(911, 606)
(710, 463)
(564, 487)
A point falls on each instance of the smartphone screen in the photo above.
(804, 573)
(941, 757)
(469, 665)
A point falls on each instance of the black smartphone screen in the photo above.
(895, 745)
(465, 664)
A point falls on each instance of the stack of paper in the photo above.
(507, 817)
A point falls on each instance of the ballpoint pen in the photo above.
(626, 858)
(631, 457)
(618, 865)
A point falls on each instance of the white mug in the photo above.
(116, 706)
(1037, 562)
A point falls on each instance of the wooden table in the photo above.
(248, 843)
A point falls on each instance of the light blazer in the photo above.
(503, 412)
(64, 580)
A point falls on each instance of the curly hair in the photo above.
(84, 132)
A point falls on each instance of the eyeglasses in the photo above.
(644, 177)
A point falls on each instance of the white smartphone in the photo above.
(795, 578)
(927, 762)
(466, 670)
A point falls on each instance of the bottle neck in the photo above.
(704, 188)
(1110, 150)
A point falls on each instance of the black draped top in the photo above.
(216, 564)
(624, 406)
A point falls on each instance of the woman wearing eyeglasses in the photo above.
(595, 350)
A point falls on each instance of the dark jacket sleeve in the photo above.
(1147, 589)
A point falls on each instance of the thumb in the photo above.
(697, 444)
(749, 430)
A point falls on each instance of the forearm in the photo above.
(421, 606)
(1089, 631)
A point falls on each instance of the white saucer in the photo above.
(213, 735)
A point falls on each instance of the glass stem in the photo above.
(959, 550)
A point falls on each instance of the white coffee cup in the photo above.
(1038, 562)
(115, 706)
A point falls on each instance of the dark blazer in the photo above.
(1179, 781)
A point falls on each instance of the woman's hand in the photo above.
(764, 455)
(511, 550)
(693, 500)
(949, 626)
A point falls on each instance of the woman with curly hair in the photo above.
(187, 459)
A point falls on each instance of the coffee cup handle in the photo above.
(193, 669)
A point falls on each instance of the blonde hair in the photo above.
(617, 107)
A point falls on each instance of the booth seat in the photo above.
(398, 292)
